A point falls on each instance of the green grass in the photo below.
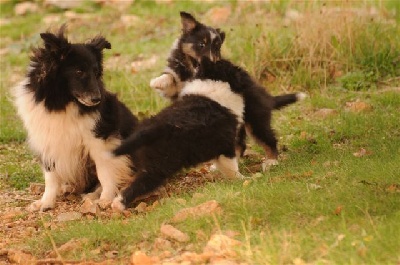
(291, 213)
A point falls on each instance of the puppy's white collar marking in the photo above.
(217, 91)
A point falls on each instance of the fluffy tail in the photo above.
(287, 99)
(137, 140)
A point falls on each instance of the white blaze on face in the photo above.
(212, 37)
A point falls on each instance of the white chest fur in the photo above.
(63, 138)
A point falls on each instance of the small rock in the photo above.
(111, 254)
(141, 208)
(19, 257)
(221, 244)
(206, 208)
(36, 188)
(25, 7)
(171, 232)
(140, 258)
(324, 113)
(161, 243)
(63, 4)
(68, 216)
(195, 258)
(89, 207)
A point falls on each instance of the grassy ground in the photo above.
(334, 198)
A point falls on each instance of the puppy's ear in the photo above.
(100, 43)
(189, 23)
(221, 35)
(55, 43)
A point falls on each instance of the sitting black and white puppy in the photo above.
(73, 122)
(200, 126)
(197, 41)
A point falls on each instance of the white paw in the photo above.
(213, 168)
(239, 176)
(301, 96)
(268, 163)
(117, 204)
(164, 85)
(162, 82)
(40, 206)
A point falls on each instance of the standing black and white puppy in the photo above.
(197, 41)
(200, 126)
(73, 122)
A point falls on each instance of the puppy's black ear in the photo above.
(221, 35)
(189, 23)
(100, 43)
(55, 43)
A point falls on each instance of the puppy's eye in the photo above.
(202, 45)
(79, 73)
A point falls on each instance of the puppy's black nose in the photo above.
(96, 100)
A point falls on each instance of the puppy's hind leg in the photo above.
(143, 183)
(265, 136)
(228, 167)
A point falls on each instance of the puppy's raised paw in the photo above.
(162, 82)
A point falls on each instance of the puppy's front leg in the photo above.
(48, 200)
(166, 85)
(112, 173)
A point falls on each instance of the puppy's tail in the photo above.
(281, 101)
(135, 141)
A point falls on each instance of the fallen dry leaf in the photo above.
(207, 208)
(338, 210)
(362, 152)
(358, 106)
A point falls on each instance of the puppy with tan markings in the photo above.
(198, 40)
(73, 122)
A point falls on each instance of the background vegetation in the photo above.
(334, 198)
